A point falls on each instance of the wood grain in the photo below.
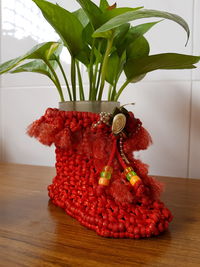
(33, 232)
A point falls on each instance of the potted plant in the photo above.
(98, 180)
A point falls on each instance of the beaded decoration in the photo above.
(105, 175)
(98, 181)
(118, 125)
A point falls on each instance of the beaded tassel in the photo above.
(105, 176)
(131, 176)
(107, 171)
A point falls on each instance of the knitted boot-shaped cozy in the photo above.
(98, 181)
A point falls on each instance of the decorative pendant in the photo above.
(131, 176)
(118, 124)
(117, 121)
(105, 176)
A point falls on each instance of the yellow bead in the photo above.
(134, 179)
(127, 170)
(104, 181)
(130, 175)
(108, 169)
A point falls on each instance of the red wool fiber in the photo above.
(120, 210)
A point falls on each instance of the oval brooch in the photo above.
(118, 123)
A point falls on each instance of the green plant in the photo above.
(102, 39)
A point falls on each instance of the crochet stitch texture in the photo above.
(119, 211)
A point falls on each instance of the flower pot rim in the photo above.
(89, 106)
(90, 101)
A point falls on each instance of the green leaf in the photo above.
(41, 51)
(110, 14)
(81, 16)
(120, 34)
(138, 78)
(123, 59)
(93, 12)
(57, 52)
(113, 67)
(140, 66)
(134, 15)
(137, 31)
(87, 34)
(66, 24)
(37, 66)
(48, 50)
(8, 65)
(137, 49)
(103, 5)
(87, 37)
(133, 33)
(98, 56)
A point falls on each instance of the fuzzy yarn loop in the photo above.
(119, 210)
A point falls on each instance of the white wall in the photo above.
(168, 102)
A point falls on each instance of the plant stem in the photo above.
(90, 69)
(104, 67)
(73, 78)
(121, 90)
(57, 83)
(98, 81)
(114, 87)
(113, 93)
(81, 91)
(96, 71)
(109, 92)
(65, 78)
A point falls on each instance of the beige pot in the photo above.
(89, 106)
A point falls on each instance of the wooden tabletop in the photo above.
(33, 232)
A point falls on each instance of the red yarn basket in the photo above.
(119, 211)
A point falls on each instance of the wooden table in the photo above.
(33, 232)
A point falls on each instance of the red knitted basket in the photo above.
(119, 210)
